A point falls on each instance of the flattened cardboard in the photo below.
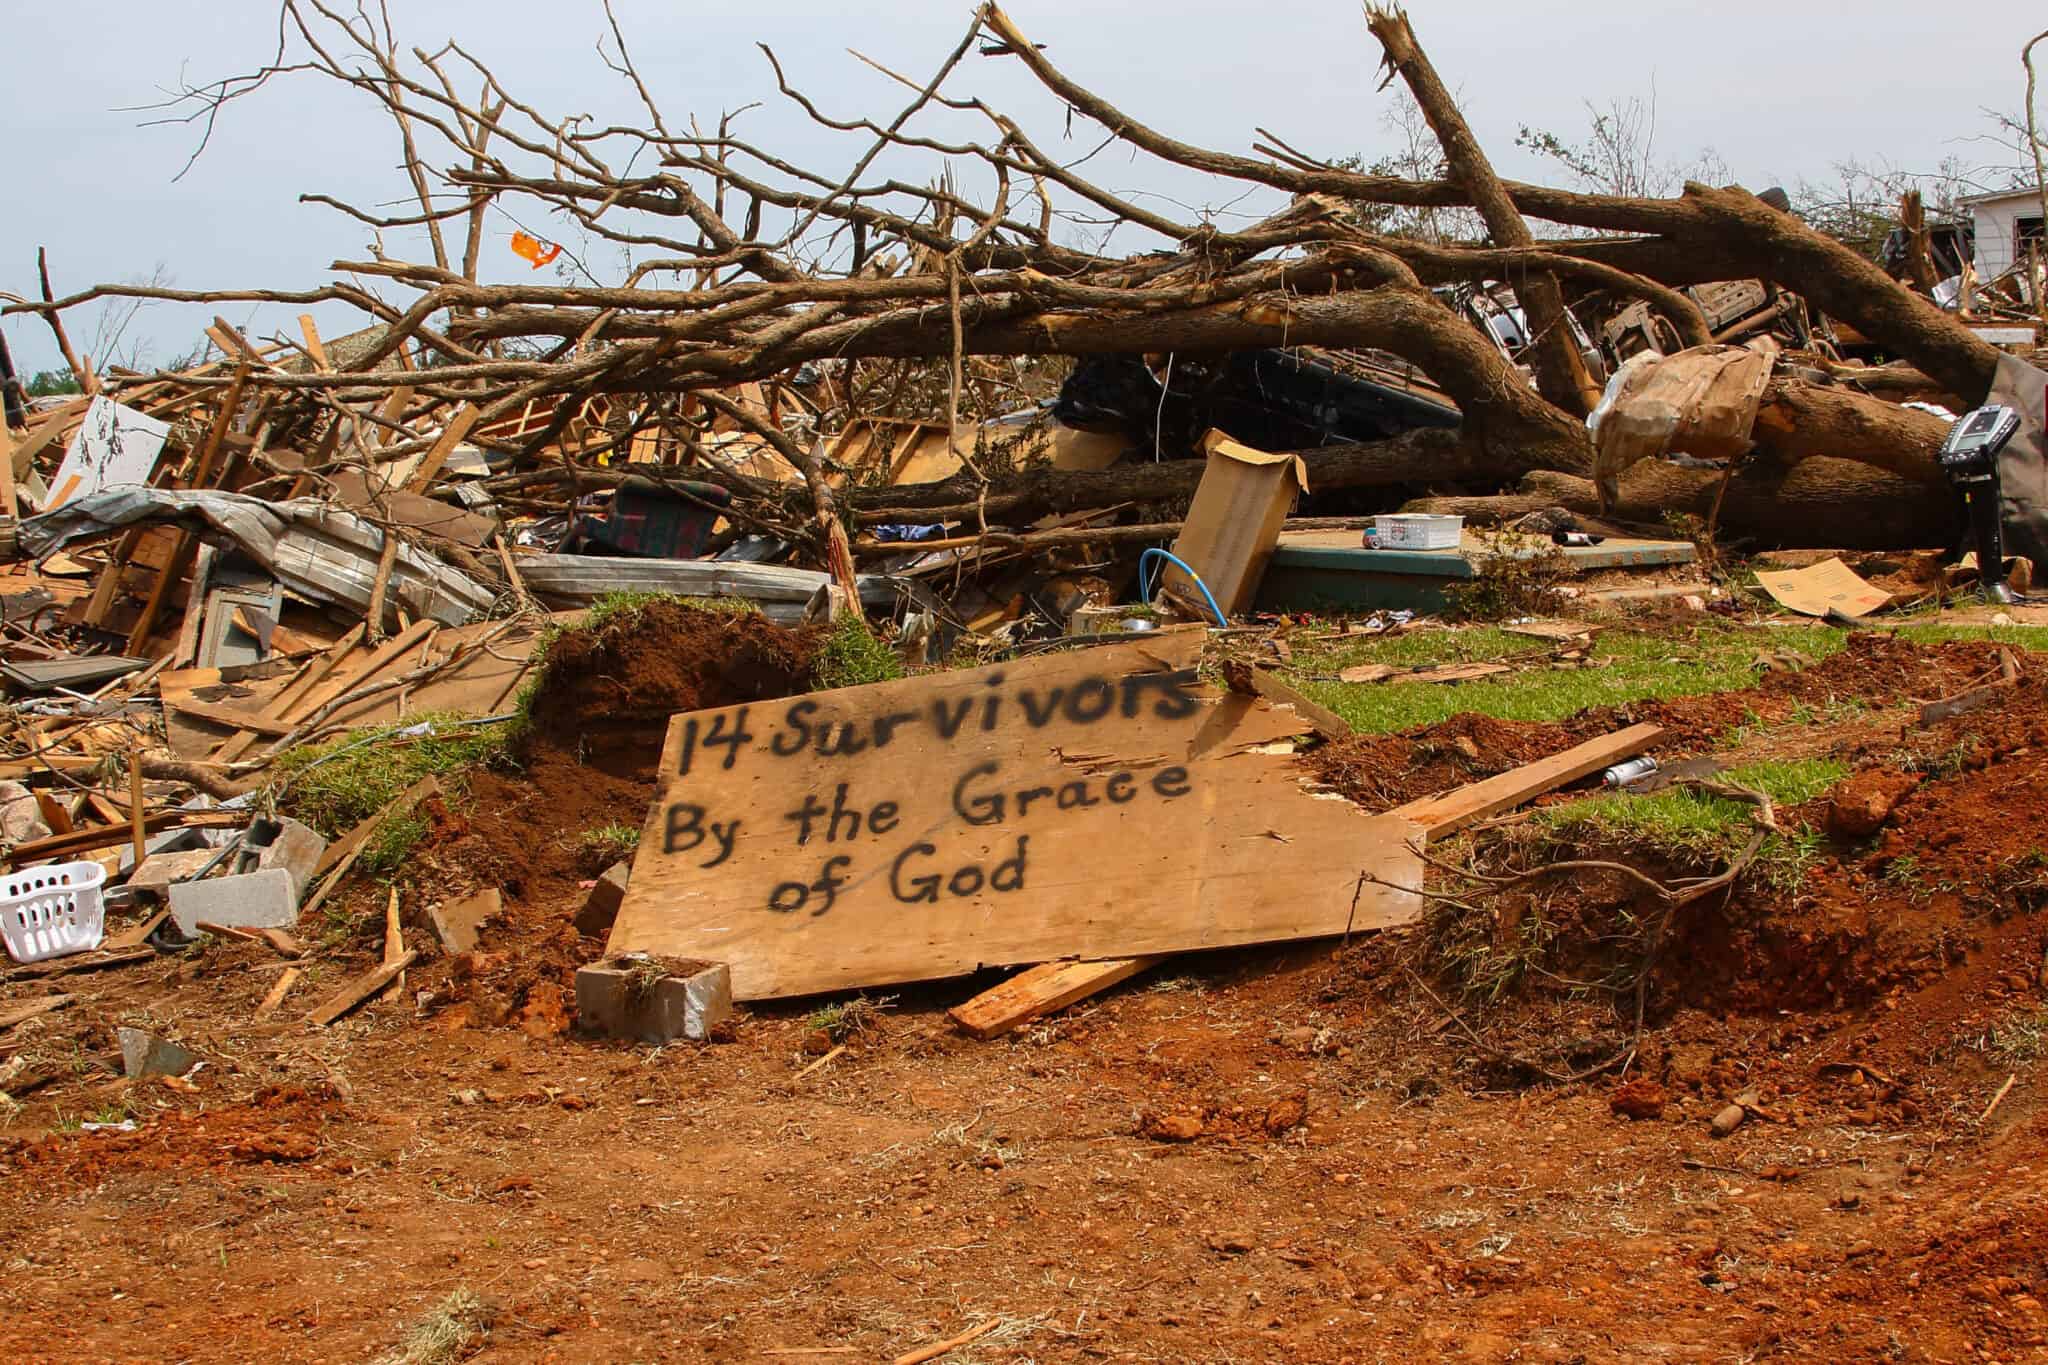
(1821, 588)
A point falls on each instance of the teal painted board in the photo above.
(1312, 569)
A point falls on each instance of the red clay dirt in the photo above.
(1300, 1154)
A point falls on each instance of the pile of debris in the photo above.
(308, 537)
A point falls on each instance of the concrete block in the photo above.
(456, 925)
(268, 899)
(628, 998)
(601, 906)
(159, 870)
(145, 1054)
(297, 849)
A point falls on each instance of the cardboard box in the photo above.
(1233, 525)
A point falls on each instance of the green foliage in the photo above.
(335, 786)
(1509, 585)
(52, 383)
(606, 844)
(852, 656)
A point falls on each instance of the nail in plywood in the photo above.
(1093, 803)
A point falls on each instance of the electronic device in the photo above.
(1969, 457)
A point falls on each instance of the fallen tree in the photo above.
(762, 268)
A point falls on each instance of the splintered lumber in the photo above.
(34, 1008)
(135, 810)
(1454, 810)
(285, 981)
(137, 936)
(394, 944)
(362, 988)
(102, 836)
(1041, 990)
(917, 829)
(386, 655)
(286, 705)
(1055, 985)
(451, 436)
(228, 715)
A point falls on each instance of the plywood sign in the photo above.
(1097, 803)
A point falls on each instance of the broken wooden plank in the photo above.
(394, 945)
(1454, 810)
(1041, 990)
(362, 988)
(134, 938)
(104, 836)
(286, 704)
(1277, 690)
(350, 842)
(285, 981)
(436, 456)
(214, 714)
(34, 1009)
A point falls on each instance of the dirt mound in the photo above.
(644, 665)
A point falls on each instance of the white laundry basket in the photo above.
(50, 911)
(1417, 531)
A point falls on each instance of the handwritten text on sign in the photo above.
(979, 797)
(1100, 802)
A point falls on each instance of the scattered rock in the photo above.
(601, 906)
(1287, 1114)
(1639, 1098)
(1728, 1120)
(1859, 805)
(145, 1054)
(1171, 1127)
(1230, 1243)
(545, 1013)
(1464, 745)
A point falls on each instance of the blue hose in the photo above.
(1145, 591)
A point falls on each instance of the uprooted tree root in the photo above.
(1464, 929)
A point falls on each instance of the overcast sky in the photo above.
(1780, 91)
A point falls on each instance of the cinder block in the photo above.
(621, 998)
(297, 849)
(601, 906)
(145, 1054)
(268, 899)
(159, 870)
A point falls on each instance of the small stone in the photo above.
(1230, 1243)
(1286, 1114)
(601, 907)
(1171, 1127)
(145, 1054)
(1464, 745)
(1639, 1098)
(1728, 1120)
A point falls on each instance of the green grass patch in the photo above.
(1627, 666)
(606, 844)
(335, 786)
(1697, 829)
(852, 656)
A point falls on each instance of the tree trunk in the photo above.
(1799, 421)
(1817, 503)
(1416, 457)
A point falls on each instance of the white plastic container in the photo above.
(51, 911)
(1418, 531)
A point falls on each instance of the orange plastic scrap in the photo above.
(534, 249)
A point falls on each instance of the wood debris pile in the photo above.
(825, 373)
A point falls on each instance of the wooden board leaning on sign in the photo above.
(1096, 803)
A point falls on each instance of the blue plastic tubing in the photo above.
(1145, 590)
